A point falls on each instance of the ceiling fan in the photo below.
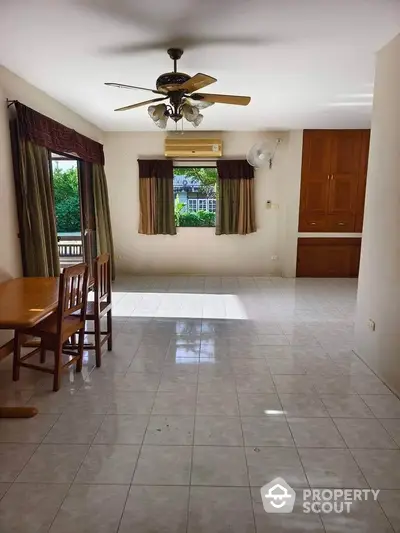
(179, 88)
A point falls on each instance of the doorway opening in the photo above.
(68, 209)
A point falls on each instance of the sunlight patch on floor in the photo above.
(173, 305)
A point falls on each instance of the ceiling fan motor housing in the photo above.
(171, 78)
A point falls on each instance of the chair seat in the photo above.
(91, 309)
(48, 326)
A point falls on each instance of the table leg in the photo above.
(14, 412)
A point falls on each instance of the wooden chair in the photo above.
(55, 330)
(101, 306)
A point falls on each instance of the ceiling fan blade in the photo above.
(127, 107)
(196, 82)
(123, 86)
(221, 98)
(186, 42)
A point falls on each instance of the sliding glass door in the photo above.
(74, 206)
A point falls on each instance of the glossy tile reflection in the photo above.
(214, 387)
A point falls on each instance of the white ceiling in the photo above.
(312, 67)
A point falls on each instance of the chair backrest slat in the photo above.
(73, 292)
(102, 279)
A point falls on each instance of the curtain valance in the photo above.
(44, 131)
(234, 169)
(156, 168)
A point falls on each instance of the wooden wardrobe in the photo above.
(333, 182)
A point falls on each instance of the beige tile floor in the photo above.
(214, 387)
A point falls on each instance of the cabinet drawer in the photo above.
(340, 223)
(309, 222)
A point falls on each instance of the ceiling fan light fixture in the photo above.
(157, 112)
(198, 120)
(151, 111)
(190, 112)
(161, 123)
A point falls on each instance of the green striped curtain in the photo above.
(36, 210)
(104, 238)
(235, 206)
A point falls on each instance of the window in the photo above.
(202, 204)
(191, 205)
(195, 196)
(212, 206)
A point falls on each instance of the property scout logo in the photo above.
(279, 497)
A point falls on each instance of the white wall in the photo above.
(379, 281)
(15, 88)
(10, 262)
(199, 250)
(289, 195)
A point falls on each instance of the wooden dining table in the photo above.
(23, 303)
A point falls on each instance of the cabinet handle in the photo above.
(332, 176)
(341, 223)
(313, 223)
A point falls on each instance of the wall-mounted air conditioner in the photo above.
(187, 147)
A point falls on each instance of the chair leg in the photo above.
(74, 340)
(109, 331)
(42, 353)
(57, 367)
(97, 341)
(81, 342)
(17, 354)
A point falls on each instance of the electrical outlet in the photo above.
(371, 325)
(274, 258)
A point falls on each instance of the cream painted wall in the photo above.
(9, 245)
(379, 281)
(199, 250)
(289, 198)
(15, 88)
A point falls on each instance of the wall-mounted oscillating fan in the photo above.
(262, 153)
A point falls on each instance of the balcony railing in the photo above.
(70, 248)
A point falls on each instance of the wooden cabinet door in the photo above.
(345, 171)
(328, 257)
(314, 179)
(324, 261)
(338, 261)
